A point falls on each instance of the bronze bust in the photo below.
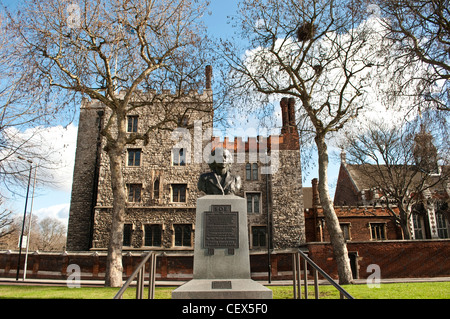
(219, 181)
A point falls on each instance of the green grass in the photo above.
(62, 292)
(426, 290)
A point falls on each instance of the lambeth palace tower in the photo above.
(161, 177)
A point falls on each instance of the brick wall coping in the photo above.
(382, 241)
(138, 252)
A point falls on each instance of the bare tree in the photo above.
(48, 234)
(13, 231)
(318, 52)
(96, 49)
(405, 166)
(23, 112)
(52, 234)
(421, 34)
(6, 222)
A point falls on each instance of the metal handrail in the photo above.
(316, 268)
(139, 272)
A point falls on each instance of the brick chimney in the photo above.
(289, 126)
(208, 73)
(284, 114)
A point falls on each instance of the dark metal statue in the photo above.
(220, 181)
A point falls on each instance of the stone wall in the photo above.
(85, 177)
(156, 163)
(92, 265)
(288, 221)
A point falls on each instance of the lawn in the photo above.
(426, 290)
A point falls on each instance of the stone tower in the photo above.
(286, 184)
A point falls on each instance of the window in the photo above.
(179, 193)
(442, 225)
(127, 230)
(248, 171)
(346, 231)
(251, 171)
(134, 193)
(183, 235)
(255, 171)
(178, 157)
(253, 202)
(418, 224)
(258, 236)
(183, 121)
(132, 124)
(156, 189)
(378, 231)
(134, 157)
(152, 235)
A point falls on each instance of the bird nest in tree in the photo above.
(306, 31)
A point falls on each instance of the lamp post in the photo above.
(29, 226)
(24, 216)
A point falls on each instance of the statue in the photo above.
(220, 181)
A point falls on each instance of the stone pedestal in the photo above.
(221, 253)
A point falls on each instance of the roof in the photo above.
(366, 176)
(358, 211)
(307, 197)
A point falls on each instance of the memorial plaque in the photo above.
(221, 285)
(221, 228)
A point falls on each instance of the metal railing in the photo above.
(296, 260)
(139, 274)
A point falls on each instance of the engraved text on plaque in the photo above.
(221, 228)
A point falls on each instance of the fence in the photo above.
(296, 261)
(139, 272)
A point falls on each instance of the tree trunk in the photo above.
(114, 268)
(404, 223)
(332, 222)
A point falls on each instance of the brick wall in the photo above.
(396, 259)
(169, 266)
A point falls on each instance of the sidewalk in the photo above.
(164, 283)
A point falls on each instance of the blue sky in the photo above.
(55, 202)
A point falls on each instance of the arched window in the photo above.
(178, 157)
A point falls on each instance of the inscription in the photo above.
(221, 228)
(221, 208)
(221, 285)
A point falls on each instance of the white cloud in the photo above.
(63, 143)
(59, 212)
(52, 149)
